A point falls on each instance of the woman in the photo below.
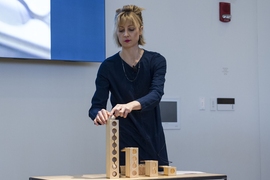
(135, 78)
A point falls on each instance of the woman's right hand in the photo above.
(101, 117)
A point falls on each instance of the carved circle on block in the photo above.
(114, 166)
(134, 173)
(134, 158)
(114, 173)
(114, 123)
(172, 171)
(134, 151)
(114, 159)
(134, 165)
(154, 171)
(114, 130)
(114, 152)
(114, 137)
(114, 145)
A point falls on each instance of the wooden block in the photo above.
(151, 168)
(112, 149)
(132, 162)
(123, 170)
(169, 170)
(141, 169)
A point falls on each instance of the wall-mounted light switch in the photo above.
(213, 102)
(202, 103)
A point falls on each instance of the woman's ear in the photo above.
(141, 30)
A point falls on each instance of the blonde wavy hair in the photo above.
(128, 13)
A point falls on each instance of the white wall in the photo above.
(45, 128)
(43, 105)
(264, 85)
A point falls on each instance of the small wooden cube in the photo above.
(141, 169)
(169, 170)
(151, 168)
(123, 170)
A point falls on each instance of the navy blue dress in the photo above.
(145, 83)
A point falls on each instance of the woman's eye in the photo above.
(131, 29)
(121, 30)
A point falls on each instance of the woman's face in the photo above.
(128, 34)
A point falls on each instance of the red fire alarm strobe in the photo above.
(225, 12)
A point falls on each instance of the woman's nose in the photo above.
(126, 34)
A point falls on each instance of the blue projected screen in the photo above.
(68, 30)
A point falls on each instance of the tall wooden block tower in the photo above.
(112, 149)
(132, 162)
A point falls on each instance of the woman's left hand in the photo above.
(123, 110)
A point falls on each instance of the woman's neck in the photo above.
(132, 55)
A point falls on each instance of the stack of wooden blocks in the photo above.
(132, 168)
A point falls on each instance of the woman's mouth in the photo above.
(127, 41)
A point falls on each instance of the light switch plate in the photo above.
(213, 104)
(202, 103)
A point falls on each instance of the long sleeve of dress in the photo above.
(156, 91)
(99, 100)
